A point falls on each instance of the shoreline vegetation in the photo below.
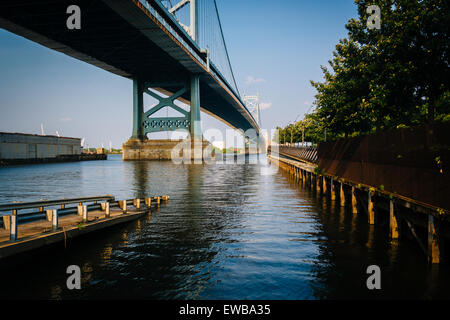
(102, 150)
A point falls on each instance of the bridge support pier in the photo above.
(258, 144)
(251, 142)
(138, 147)
(195, 127)
(138, 109)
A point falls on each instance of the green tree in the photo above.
(395, 76)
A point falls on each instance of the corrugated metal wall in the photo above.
(403, 161)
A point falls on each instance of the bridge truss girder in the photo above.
(157, 124)
(144, 123)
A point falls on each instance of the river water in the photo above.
(228, 232)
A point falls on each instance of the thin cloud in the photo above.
(66, 119)
(265, 105)
(252, 80)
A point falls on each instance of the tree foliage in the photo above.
(385, 78)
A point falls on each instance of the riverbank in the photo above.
(61, 158)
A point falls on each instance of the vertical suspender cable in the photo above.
(226, 51)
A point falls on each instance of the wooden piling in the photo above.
(342, 195)
(433, 243)
(318, 183)
(13, 226)
(370, 210)
(123, 205)
(354, 201)
(49, 214)
(107, 210)
(34, 235)
(137, 203)
(396, 224)
(6, 222)
(148, 201)
(332, 190)
(393, 226)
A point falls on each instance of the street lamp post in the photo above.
(303, 135)
(292, 129)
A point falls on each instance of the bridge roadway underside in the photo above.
(121, 37)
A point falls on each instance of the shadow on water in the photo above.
(352, 245)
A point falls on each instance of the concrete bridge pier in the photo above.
(252, 143)
(139, 147)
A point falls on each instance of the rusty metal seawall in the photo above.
(412, 162)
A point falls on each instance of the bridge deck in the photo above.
(124, 37)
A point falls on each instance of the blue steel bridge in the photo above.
(170, 49)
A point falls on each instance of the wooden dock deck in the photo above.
(41, 233)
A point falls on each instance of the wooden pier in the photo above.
(402, 215)
(44, 227)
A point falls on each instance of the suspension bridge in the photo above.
(171, 50)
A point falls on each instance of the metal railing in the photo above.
(50, 203)
(308, 154)
(12, 217)
(213, 70)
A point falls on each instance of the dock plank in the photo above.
(39, 233)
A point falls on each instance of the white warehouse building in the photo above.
(32, 147)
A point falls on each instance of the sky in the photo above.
(275, 48)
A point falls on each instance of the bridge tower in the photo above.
(252, 104)
(138, 147)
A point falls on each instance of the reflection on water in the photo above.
(228, 232)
